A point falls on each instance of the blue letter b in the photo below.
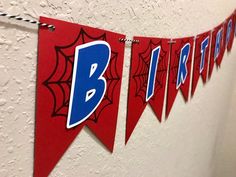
(88, 85)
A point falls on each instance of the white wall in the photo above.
(226, 144)
(188, 144)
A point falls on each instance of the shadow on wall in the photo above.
(225, 164)
(32, 28)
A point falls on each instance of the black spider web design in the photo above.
(141, 74)
(59, 83)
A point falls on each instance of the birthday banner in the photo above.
(79, 73)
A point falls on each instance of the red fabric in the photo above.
(140, 64)
(213, 42)
(197, 60)
(231, 39)
(222, 50)
(55, 60)
(173, 71)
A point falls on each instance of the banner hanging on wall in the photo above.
(79, 79)
(78, 83)
(147, 80)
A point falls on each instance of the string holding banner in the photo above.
(50, 26)
(17, 17)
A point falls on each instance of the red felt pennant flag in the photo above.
(234, 19)
(179, 71)
(65, 56)
(222, 51)
(217, 46)
(147, 79)
(201, 56)
(230, 27)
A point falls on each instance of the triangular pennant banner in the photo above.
(179, 71)
(78, 83)
(147, 79)
(201, 57)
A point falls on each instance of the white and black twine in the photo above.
(129, 40)
(50, 26)
(16, 17)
